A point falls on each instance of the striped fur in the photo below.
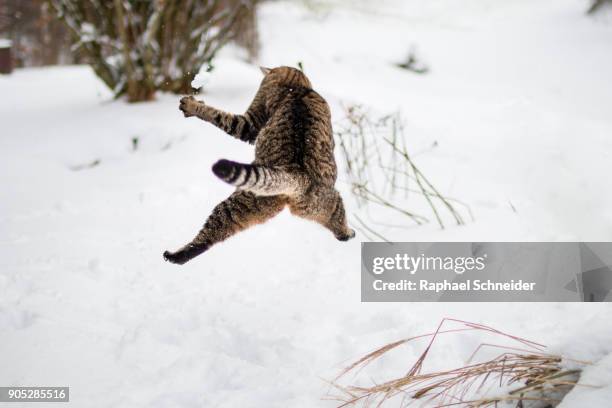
(294, 166)
(259, 179)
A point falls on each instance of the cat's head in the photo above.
(286, 76)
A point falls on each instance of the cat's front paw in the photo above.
(189, 106)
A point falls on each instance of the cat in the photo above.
(294, 166)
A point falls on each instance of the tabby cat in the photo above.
(294, 166)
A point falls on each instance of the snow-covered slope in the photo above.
(518, 99)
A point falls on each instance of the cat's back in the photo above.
(299, 134)
(319, 159)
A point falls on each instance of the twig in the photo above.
(368, 162)
(533, 375)
(370, 229)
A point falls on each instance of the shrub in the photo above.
(138, 47)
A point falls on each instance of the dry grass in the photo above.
(521, 376)
(382, 172)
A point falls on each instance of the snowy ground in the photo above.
(518, 99)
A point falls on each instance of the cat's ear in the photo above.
(265, 70)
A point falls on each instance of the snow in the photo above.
(88, 33)
(595, 385)
(518, 99)
(201, 79)
(594, 388)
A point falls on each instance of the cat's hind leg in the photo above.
(238, 212)
(324, 206)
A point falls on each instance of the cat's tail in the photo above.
(259, 179)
